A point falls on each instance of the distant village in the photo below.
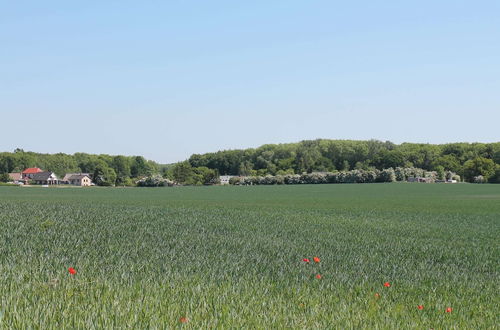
(34, 175)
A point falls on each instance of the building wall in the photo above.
(85, 182)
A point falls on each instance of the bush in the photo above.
(387, 175)
(235, 180)
(354, 176)
(479, 179)
(154, 181)
(128, 182)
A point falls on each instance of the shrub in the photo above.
(387, 175)
(235, 180)
(479, 179)
(354, 176)
(154, 181)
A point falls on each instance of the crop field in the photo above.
(220, 257)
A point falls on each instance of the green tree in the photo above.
(245, 168)
(4, 177)
(449, 163)
(104, 175)
(182, 172)
(307, 155)
(204, 175)
(440, 172)
(495, 178)
(479, 166)
(61, 164)
(121, 165)
(140, 167)
(7, 162)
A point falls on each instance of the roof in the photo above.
(15, 176)
(42, 176)
(78, 177)
(32, 170)
(68, 176)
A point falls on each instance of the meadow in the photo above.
(220, 257)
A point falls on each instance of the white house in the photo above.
(45, 178)
(224, 179)
(78, 179)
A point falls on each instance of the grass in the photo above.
(232, 256)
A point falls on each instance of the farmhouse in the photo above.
(45, 178)
(224, 179)
(67, 177)
(81, 179)
(30, 172)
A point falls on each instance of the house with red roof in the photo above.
(29, 172)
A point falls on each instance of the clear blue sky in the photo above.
(166, 79)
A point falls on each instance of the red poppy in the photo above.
(449, 310)
(306, 260)
(316, 259)
(420, 307)
(318, 277)
(71, 270)
(387, 284)
(377, 295)
(183, 320)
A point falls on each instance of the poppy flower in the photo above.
(377, 295)
(420, 307)
(449, 310)
(71, 270)
(318, 277)
(183, 320)
(316, 259)
(387, 284)
(306, 260)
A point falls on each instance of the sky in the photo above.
(166, 79)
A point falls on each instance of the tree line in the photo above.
(106, 170)
(474, 162)
(469, 160)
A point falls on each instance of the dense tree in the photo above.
(4, 177)
(7, 163)
(479, 166)
(342, 155)
(104, 175)
(495, 177)
(182, 172)
(140, 167)
(245, 168)
(275, 159)
(449, 162)
(204, 175)
(440, 172)
(307, 155)
(121, 165)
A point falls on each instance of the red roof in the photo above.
(32, 170)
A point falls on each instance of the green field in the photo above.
(232, 256)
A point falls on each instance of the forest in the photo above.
(468, 160)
